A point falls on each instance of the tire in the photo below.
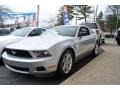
(103, 42)
(1, 59)
(64, 69)
(118, 42)
(96, 49)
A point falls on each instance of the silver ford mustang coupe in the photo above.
(56, 50)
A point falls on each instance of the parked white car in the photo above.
(18, 35)
(95, 27)
(57, 49)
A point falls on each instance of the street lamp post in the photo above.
(76, 15)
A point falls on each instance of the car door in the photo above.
(85, 39)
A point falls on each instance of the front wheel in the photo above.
(65, 64)
(1, 59)
(118, 41)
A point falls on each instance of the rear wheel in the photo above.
(103, 42)
(66, 63)
(96, 49)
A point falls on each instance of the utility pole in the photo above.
(117, 15)
(95, 8)
(38, 7)
(96, 11)
(76, 15)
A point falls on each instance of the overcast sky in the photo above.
(46, 11)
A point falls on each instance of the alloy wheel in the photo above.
(67, 63)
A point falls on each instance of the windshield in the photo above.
(62, 30)
(21, 32)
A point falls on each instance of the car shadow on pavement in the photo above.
(12, 78)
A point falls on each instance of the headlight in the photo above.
(42, 53)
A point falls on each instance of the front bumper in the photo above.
(30, 66)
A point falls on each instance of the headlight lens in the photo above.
(42, 53)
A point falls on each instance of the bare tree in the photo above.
(114, 9)
(3, 14)
(83, 11)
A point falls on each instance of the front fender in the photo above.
(59, 48)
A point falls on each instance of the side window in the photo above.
(4, 32)
(36, 32)
(84, 31)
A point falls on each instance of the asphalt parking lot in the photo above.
(8, 77)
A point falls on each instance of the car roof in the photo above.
(32, 27)
(73, 25)
(88, 22)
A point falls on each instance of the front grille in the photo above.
(118, 33)
(18, 53)
(19, 68)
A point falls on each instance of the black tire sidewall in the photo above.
(118, 41)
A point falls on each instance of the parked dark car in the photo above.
(117, 36)
(4, 32)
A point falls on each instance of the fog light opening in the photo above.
(40, 69)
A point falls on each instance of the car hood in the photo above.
(38, 42)
(8, 38)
